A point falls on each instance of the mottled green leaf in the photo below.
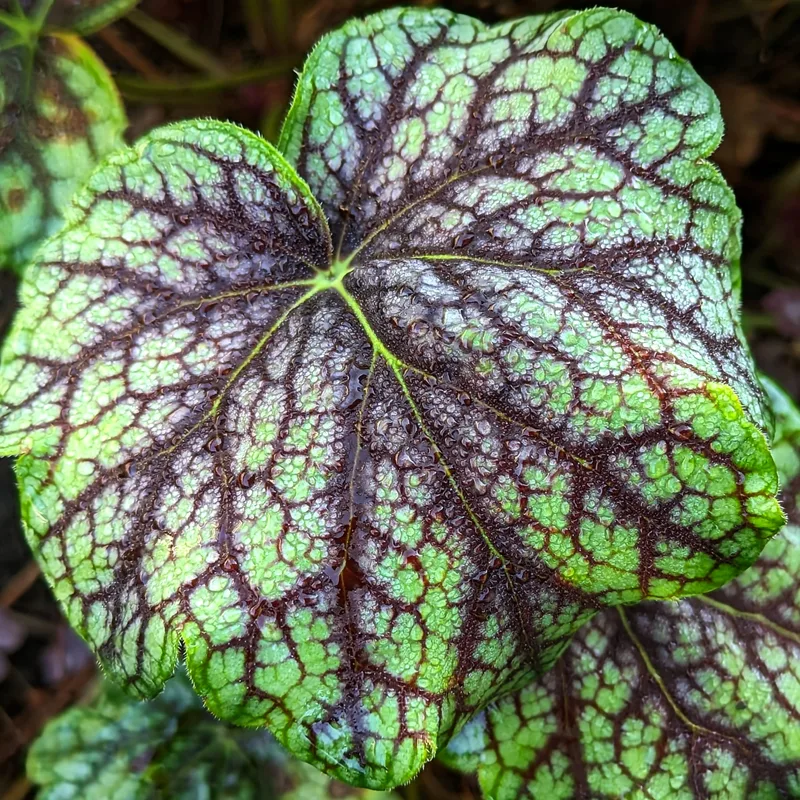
(374, 480)
(59, 115)
(666, 701)
(168, 749)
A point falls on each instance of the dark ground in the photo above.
(235, 62)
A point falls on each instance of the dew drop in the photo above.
(483, 427)
(215, 444)
(230, 564)
(463, 239)
(246, 479)
(404, 460)
(418, 328)
(682, 432)
(258, 609)
(496, 160)
(258, 246)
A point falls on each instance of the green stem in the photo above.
(177, 43)
(196, 90)
(280, 23)
(19, 25)
(256, 27)
(41, 14)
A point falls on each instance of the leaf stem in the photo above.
(20, 24)
(177, 43)
(196, 90)
(129, 53)
(256, 26)
(280, 23)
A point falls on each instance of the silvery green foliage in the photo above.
(374, 423)
(668, 701)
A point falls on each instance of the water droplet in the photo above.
(258, 609)
(683, 432)
(215, 444)
(230, 564)
(463, 239)
(258, 246)
(483, 427)
(496, 160)
(418, 328)
(246, 479)
(404, 460)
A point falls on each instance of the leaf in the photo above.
(168, 749)
(59, 115)
(696, 699)
(371, 493)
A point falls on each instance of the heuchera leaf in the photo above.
(667, 701)
(374, 466)
(59, 115)
(168, 749)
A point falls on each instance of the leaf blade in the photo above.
(667, 700)
(52, 135)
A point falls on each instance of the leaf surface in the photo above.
(369, 490)
(168, 749)
(59, 115)
(672, 701)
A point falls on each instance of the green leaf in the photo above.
(168, 749)
(374, 475)
(696, 699)
(59, 115)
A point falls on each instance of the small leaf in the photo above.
(696, 699)
(374, 482)
(168, 749)
(59, 115)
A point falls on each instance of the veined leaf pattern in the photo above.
(372, 460)
(168, 749)
(667, 701)
(59, 115)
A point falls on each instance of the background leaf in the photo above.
(168, 749)
(696, 699)
(373, 489)
(59, 115)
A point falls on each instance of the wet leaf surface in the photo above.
(374, 461)
(695, 699)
